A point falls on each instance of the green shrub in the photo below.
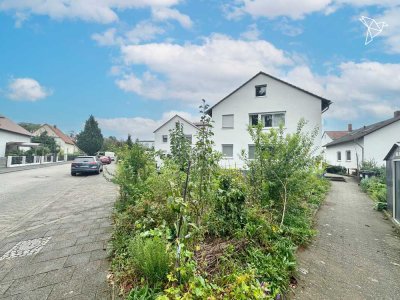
(229, 212)
(150, 258)
(336, 170)
(376, 190)
(143, 293)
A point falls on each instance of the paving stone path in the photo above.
(55, 247)
(356, 254)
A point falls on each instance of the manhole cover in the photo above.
(25, 248)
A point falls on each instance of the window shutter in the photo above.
(227, 121)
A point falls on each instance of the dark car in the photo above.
(105, 160)
(86, 164)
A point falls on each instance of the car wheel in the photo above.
(73, 174)
(98, 171)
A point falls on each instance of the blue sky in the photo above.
(134, 63)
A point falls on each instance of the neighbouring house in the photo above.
(66, 144)
(364, 144)
(266, 99)
(161, 134)
(13, 135)
(329, 136)
(393, 181)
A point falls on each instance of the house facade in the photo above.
(364, 144)
(12, 133)
(161, 134)
(264, 99)
(66, 144)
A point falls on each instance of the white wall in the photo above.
(280, 98)
(6, 137)
(356, 151)
(378, 142)
(165, 130)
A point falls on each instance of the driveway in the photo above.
(356, 254)
(54, 233)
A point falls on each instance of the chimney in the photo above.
(350, 127)
(397, 114)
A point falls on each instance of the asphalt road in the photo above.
(71, 216)
(356, 254)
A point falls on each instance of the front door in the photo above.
(396, 206)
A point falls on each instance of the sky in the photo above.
(133, 64)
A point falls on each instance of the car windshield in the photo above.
(84, 159)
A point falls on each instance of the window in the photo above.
(227, 121)
(165, 138)
(339, 156)
(348, 155)
(268, 119)
(253, 120)
(189, 138)
(261, 90)
(252, 152)
(227, 150)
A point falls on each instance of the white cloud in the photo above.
(101, 11)
(357, 90)
(142, 32)
(391, 33)
(191, 72)
(295, 9)
(26, 89)
(166, 13)
(252, 33)
(139, 127)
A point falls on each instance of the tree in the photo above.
(47, 144)
(282, 162)
(90, 140)
(31, 127)
(180, 147)
(129, 142)
(111, 143)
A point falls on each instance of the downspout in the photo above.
(362, 158)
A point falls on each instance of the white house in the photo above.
(12, 134)
(64, 141)
(329, 136)
(161, 134)
(264, 99)
(364, 144)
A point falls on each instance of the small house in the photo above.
(393, 181)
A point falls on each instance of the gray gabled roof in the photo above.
(324, 102)
(363, 131)
(394, 148)
(190, 123)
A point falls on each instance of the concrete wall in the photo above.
(280, 98)
(356, 151)
(165, 130)
(6, 137)
(378, 142)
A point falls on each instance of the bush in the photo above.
(376, 190)
(336, 170)
(150, 258)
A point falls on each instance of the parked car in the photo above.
(105, 160)
(86, 164)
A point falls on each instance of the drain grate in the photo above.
(25, 248)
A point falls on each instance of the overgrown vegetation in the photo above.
(375, 186)
(192, 230)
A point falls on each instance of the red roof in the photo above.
(8, 125)
(336, 134)
(61, 135)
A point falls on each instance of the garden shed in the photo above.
(393, 181)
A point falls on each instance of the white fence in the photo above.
(22, 161)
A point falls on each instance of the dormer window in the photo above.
(261, 90)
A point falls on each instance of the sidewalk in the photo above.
(356, 254)
(16, 169)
